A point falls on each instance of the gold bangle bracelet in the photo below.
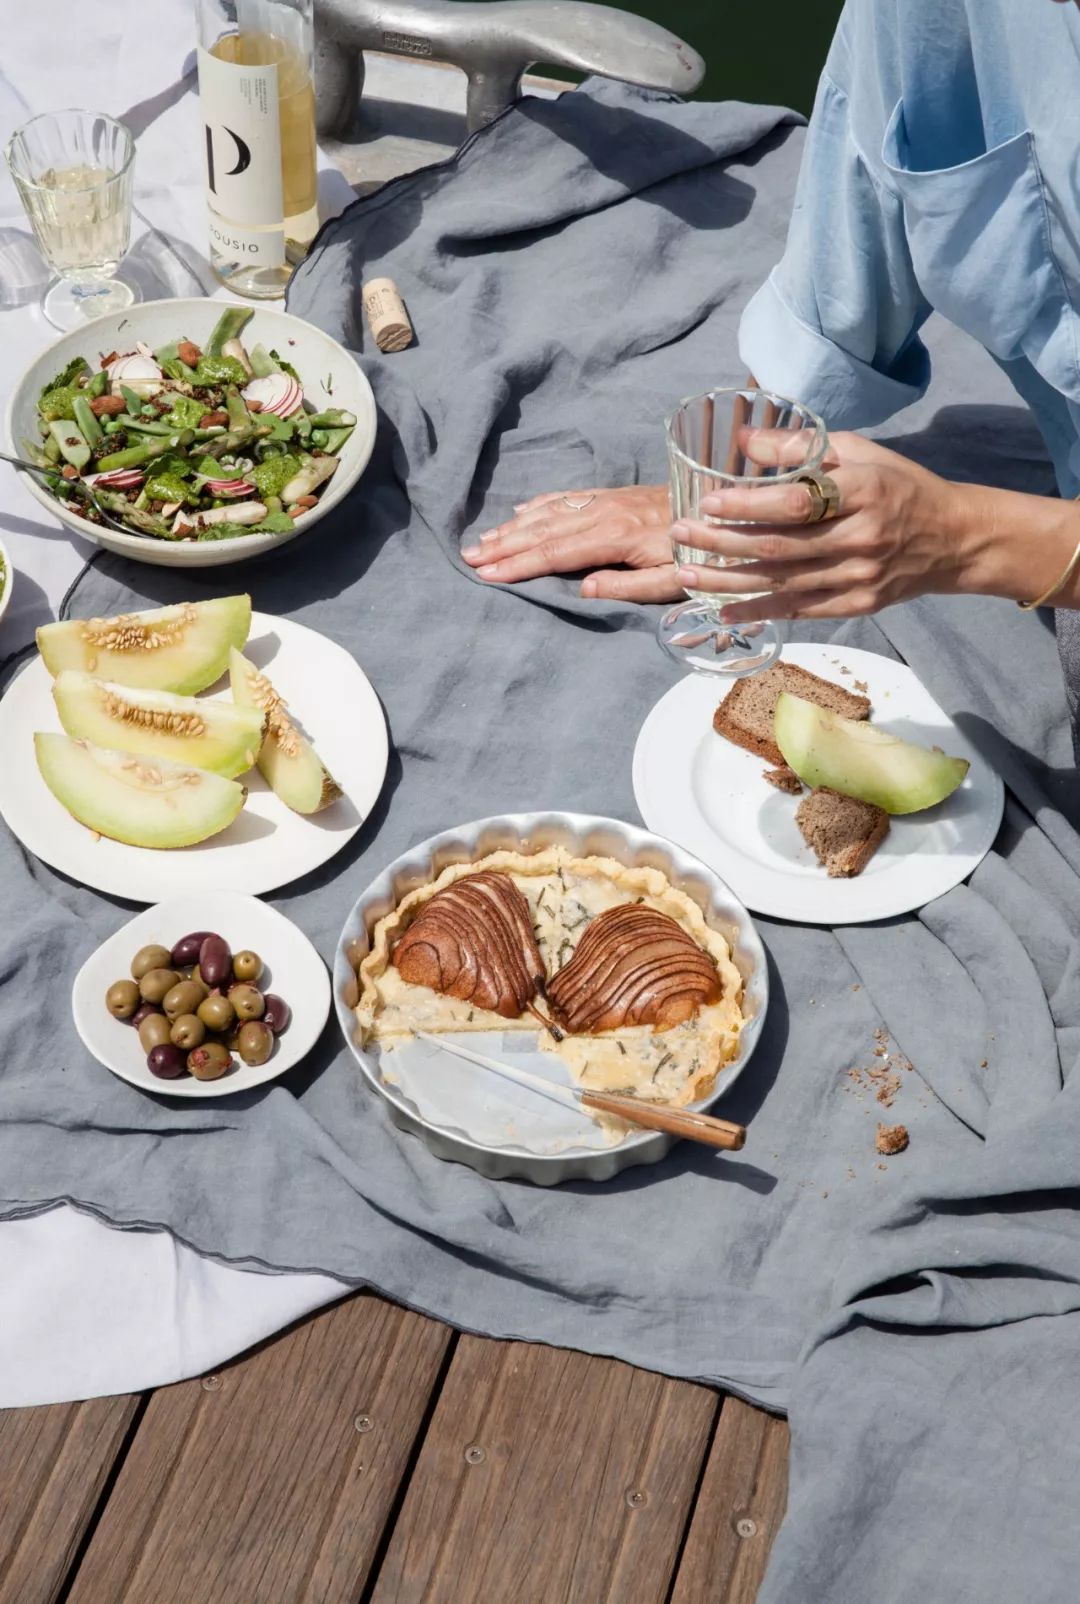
(1063, 579)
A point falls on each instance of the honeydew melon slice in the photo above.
(288, 763)
(207, 735)
(858, 759)
(181, 649)
(144, 802)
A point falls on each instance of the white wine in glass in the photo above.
(73, 171)
(709, 449)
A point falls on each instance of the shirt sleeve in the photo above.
(836, 325)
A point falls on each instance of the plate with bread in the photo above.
(830, 789)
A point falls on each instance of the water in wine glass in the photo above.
(80, 219)
(694, 557)
(745, 440)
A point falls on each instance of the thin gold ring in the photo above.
(824, 496)
(578, 506)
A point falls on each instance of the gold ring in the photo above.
(824, 496)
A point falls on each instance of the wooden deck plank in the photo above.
(738, 1511)
(53, 1466)
(271, 1482)
(547, 1476)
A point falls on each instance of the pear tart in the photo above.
(633, 966)
(474, 940)
(645, 989)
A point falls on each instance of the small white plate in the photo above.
(294, 971)
(268, 844)
(708, 795)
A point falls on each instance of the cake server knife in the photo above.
(682, 1122)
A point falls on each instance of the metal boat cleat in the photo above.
(493, 43)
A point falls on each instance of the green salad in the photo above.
(190, 442)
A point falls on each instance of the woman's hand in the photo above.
(566, 531)
(901, 531)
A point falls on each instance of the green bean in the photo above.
(52, 449)
(262, 363)
(319, 438)
(336, 438)
(145, 426)
(133, 402)
(239, 416)
(228, 327)
(86, 420)
(334, 418)
(98, 384)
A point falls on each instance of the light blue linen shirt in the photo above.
(941, 172)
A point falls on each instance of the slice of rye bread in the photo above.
(746, 714)
(844, 832)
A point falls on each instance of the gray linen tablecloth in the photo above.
(580, 265)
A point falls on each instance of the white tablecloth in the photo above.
(88, 1310)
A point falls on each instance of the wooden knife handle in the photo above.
(676, 1121)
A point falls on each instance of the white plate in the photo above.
(708, 795)
(294, 971)
(330, 377)
(268, 844)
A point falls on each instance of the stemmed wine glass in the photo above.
(73, 171)
(707, 440)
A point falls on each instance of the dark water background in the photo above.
(769, 51)
(756, 50)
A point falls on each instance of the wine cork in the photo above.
(386, 315)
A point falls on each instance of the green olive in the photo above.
(188, 1032)
(248, 1002)
(210, 1061)
(155, 983)
(255, 1042)
(148, 958)
(216, 1012)
(122, 999)
(247, 965)
(184, 998)
(154, 1031)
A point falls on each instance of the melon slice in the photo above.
(207, 735)
(858, 759)
(288, 763)
(182, 649)
(144, 802)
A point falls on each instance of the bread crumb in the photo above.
(861, 686)
(983, 1064)
(784, 779)
(891, 1138)
(856, 988)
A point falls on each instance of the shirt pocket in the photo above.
(979, 239)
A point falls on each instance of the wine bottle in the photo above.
(258, 106)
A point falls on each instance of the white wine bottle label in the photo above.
(243, 160)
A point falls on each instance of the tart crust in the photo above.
(564, 892)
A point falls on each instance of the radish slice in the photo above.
(134, 366)
(118, 479)
(139, 373)
(230, 487)
(278, 393)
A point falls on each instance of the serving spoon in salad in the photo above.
(50, 475)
